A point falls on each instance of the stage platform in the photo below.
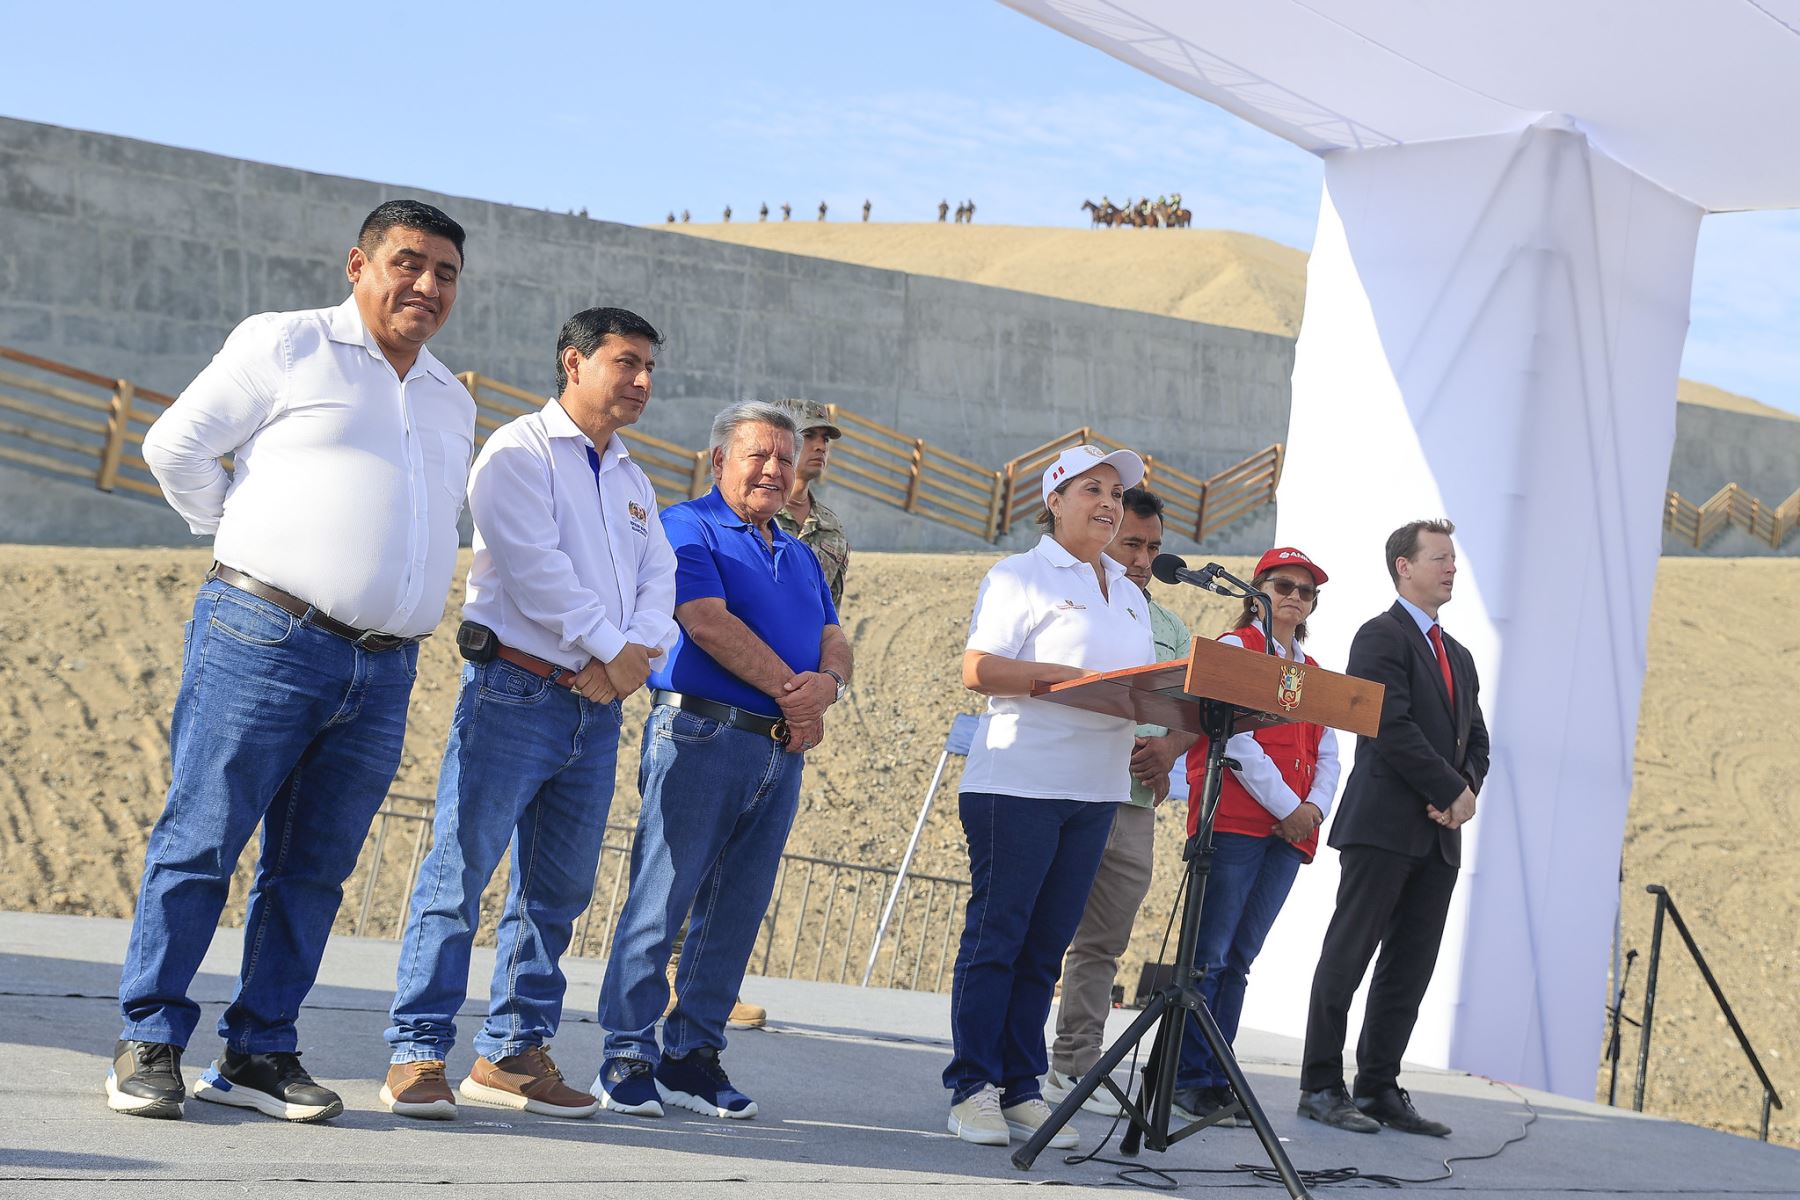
(847, 1081)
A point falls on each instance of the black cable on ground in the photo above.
(1164, 1179)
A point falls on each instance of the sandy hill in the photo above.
(1211, 275)
(90, 644)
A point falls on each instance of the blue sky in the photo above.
(631, 111)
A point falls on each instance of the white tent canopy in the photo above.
(1496, 304)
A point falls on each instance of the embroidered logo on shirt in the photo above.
(1071, 606)
(1132, 612)
(640, 520)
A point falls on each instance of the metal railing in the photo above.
(1665, 907)
(820, 924)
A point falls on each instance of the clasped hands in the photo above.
(1152, 758)
(615, 680)
(1460, 812)
(803, 701)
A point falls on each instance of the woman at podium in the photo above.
(1267, 825)
(1040, 786)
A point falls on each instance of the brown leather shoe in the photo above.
(418, 1089)
(745, 1015)
(529, 1081)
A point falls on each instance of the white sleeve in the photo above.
(1002, 619)
(215, 415)
(1325, 773)
(653, 613)
(512, 508)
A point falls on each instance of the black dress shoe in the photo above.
(1331, 1106)
(1394, 1109)
(145, 1080)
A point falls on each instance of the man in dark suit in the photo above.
(1412, 788)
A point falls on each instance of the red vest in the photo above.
(1294, 749)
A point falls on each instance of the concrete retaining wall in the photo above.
(135, 260)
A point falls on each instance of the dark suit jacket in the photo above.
(1424, 753)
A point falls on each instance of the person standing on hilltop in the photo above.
(787, 210)
(943, 211)
(866, 207)
(1040, 788)
(762, 214)
(728, 214)
(821, 210)
(335, 539)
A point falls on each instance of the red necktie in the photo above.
(1437, 643)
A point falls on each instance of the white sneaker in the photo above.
(1024, 1118)
(1057, 1087)
(978, 1120)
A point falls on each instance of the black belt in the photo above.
(774, 728)
(367, 639)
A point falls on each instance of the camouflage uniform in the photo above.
(822, 531)
(825, 534)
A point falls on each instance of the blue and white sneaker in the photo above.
(624, 1086)
(697, 1082)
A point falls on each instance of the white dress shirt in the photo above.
(348, 479)
(570, 563)
(1258, 772)
(1045, 606)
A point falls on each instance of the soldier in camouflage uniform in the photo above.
(805, 515)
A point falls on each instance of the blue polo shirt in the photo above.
(779, 591)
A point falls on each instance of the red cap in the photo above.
(1287, 556)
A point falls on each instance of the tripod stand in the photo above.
(1169, 1010)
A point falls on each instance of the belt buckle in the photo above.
(376, 642)
(779, 732)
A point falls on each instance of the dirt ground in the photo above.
(90, 642)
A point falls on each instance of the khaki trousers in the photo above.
(1105, 931)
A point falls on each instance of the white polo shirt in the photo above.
(1046, 606)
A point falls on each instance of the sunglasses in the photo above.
(1287, 587)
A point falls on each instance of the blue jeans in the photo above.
(279, 723)
(1250, 880)
(530, 764)
(718, 804)
(1031, 866)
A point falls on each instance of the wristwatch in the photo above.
(842, 686)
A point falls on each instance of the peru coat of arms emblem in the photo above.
(1288, 693)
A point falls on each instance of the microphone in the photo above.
(1172, 568)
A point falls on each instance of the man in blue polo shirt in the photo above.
(736, 705)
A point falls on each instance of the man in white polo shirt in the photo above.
(335, 536)
(571, 594)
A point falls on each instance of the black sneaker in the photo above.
(145, 1080)
(274, 1083)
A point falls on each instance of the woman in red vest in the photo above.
(1270, 809)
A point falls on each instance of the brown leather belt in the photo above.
(366, 639)
(558, 675)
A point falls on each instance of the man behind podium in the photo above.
(1412, 788)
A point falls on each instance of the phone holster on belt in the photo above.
(477, 643)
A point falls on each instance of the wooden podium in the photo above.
(1266, 690)
(1216, 691)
